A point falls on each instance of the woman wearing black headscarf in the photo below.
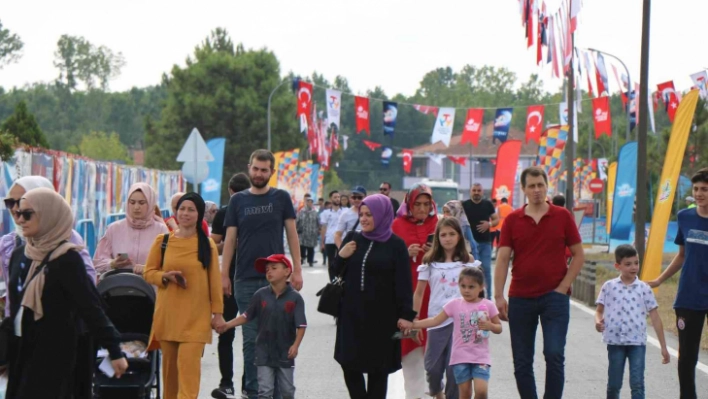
(189, 298)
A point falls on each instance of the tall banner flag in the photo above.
(304, 104)
(386, 154)
(601, 116)
(651, 268)
(534, 123)
(361, 108)
(505, 171)
(502, 122)
(473, 126)
(586, 60)
(602, 165)
(407, 160)
(611, 178)
(603, 87)
(390, 113)
(700, 79)
(334, 107)
(211, 187)
(668, 94)
(563, 113)
(442, 131)
(625, 192)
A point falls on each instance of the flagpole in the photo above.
(269, 98)
(640, 217)
(629, 89)
(570, 143)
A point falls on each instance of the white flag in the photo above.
(563, 113)
(700, 79)
(650, 107)
(443, 126)
(345, 141)
(602, 165)
(334, 107)
(437, 158)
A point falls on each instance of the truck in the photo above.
(444, 190)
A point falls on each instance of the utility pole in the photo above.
(642, 195)
(570, 143)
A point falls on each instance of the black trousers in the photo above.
(307, 253)
(376, 389)
(331, 250)
(226, 344)
(690, 327)
(85, 366)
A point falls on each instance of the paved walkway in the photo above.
(317, 375)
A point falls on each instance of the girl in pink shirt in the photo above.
(473, 317)
(132, 236)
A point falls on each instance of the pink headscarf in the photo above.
(151, 197)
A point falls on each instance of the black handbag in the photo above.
(332, 293)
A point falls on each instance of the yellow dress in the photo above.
(184, 315)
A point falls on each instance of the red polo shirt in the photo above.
(539, 263)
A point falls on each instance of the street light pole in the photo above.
(629, 87)
(270, 97)
(643, 104)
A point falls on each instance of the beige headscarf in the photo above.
(55, 224)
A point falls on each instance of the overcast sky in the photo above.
(387, 43)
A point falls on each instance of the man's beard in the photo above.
(258, 184)
(338, 203)
(476, 197)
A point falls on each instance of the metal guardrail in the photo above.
(87, 230)
(584, 284)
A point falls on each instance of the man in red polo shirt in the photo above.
(538, 235)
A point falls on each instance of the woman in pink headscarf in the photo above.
(127, 242)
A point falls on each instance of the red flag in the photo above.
(534, 123)
(361, 110)
(529, 26)
(598, 77)
(407, 160)
(462, 161)
(505, 171)
(671, 101)
(372, 146)
(333, 141)
(304, 104)
(601, 116)
(473, 126)
(539, 38)
(426, 109)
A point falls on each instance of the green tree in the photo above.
(224, 92)
(24, 127)
(103, 147)
(79, 60)
(10, 47)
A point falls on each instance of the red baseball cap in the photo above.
(275, 258)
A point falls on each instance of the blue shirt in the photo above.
(260, 220)
(693, 283)
(626, 310)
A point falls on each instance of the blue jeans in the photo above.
(617, 354)
(244, 290)
(485, 256)
(554, 311)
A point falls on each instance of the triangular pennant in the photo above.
(462, 161)
(372, 145)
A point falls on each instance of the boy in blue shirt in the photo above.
(280, 313)
(621, 317)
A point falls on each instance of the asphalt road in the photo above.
(317, 375)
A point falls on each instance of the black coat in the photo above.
(368, 317)
(43, 360)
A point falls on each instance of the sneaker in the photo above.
(223, 393)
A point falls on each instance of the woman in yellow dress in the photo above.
(189, 298)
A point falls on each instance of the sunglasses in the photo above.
(27, 215)
(356, 197)
(10, 203)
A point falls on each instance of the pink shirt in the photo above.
(121, 238)
(466, 346)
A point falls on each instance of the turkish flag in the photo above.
(671, 101)
(534, 123)
(361, 112)
(372, 146)
(313, 132)
(462, 161)
(601, 116)
(407, 160)
(473, 126)
(304, 104)
(426, 109)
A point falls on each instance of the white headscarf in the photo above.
(30, 183)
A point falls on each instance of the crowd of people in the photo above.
(420, 292)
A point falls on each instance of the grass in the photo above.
(665, 296)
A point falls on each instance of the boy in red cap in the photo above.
(280, 313)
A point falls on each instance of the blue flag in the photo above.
(502, 122)
(386, 154)
(625, 192)
(314, 182)
(211, 187)
(390, 112)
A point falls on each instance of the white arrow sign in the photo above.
(195, 149)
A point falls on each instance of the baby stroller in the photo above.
(130, 303)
